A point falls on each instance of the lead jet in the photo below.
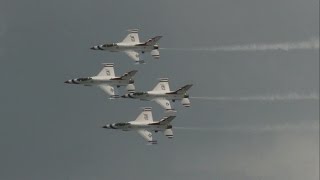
(106, 80)
(145, 125)
(162, 95)
(132, 46)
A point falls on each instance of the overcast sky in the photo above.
(51, 130)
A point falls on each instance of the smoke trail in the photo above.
(312, 43)
(288, 97)
(258, 129)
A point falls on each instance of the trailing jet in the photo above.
(106, 79)
(161, 94)
(145, 125)
(132, 46)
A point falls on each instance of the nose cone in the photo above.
(106, 127)
(68, 82)
(98, 47)
(124, 96)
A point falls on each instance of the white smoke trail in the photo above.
(312, 43)
(258, 129)
(288, 97)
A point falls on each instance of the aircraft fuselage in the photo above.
(138, 125)
(149, 95)
(97, 80)
(117, 47)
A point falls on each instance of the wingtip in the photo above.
(140, 62)
(133, 30)
(152, 142)
(114, 97)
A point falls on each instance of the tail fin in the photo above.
(107, 70)
(182, 90)
(153, 41)
(132, 37)
(128, 75)
(145, 115)
(166, 120)
(163, 85)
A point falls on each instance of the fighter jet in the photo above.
(132, 46)
(106, 79)
(145, 125)
(161, 94)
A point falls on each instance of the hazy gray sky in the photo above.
(50, 130)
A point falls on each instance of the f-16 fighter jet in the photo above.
(145, 125)
(106, 79)
(161, 94)
(132, 46)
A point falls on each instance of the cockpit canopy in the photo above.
(84, 79)
(109, 45)
(121, 124)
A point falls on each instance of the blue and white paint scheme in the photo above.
(162, 95)
(107, 80)
(132, 46)
(145, 125)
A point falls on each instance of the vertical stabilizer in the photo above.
(132, 37)
(163, 85)
(107, 70)
(145, 115)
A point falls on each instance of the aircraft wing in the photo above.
(109, 90)
(163, 103)
(133, 55)
(147, 136)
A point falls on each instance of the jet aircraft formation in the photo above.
(161, 93)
